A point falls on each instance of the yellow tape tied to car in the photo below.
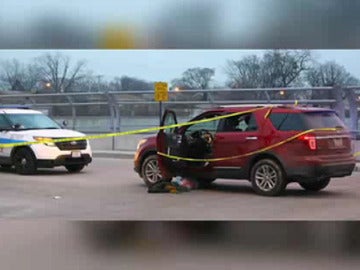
(138, 131)
(249, 153)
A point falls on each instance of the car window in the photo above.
(292, 121)
(323, 120)
(277, 119)
(305, 121)
(4, 124)
(32, 121)
(211, 126)
(170, 119)
(239, 123)
(288, 121)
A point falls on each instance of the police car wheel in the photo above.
(24, 161)
(75, 168)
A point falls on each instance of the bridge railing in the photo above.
(125, 110)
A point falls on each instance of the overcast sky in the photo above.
(165, 65)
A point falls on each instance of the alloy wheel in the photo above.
(266, 177)
(152, 171)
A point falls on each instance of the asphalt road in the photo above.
(109, 189)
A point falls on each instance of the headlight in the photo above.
(140, 143)
(44, 140)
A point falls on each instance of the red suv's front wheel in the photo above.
(150, 171)
(267, 178)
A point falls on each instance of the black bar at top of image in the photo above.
(180, 24)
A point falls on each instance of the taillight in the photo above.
(310, 139)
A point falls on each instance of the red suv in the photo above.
(311, 159)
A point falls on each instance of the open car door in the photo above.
(168, 141)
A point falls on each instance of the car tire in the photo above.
(268, 178)
(25, 162)
(316, 186)
(150, 170)
(75, 168)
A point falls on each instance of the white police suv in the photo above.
(20, 124)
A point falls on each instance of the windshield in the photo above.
(32, 121)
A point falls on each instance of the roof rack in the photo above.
(15, 107)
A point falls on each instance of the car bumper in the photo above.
(64, 160)
(137, 162)
(310, 173)
(137, 169)
(44, 152)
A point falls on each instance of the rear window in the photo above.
(305, 121)
(323, 120)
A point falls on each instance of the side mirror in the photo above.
(65, 123)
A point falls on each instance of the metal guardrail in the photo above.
(120, 104)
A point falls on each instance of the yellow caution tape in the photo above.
(123, 133)
(267, 113)
(249, 153)
(132, 132)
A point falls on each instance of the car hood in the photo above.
(147, 136)
(52, 133)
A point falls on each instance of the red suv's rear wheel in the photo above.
(267, 178)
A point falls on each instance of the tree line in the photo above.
(275, 68)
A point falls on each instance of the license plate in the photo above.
(338, 143)
(76, 154)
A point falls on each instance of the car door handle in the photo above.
(251, 138)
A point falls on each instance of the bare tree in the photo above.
(330, 74)
(277, 68)
(18, 76)
(115, 84)
(57, 69)
(195, 78)
(92, 83)
(244, 73)
(335, 75)
(283, 68)
(133, 84)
